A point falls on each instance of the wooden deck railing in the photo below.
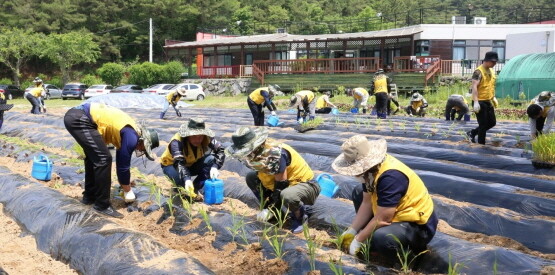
(432, 71)
(220, 71)
(323, 65)
(258, 74)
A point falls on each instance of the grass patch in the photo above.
(22, 103)
(544, 148)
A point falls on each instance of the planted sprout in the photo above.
(311, 246)
(170, 203)
(276, 242)
(205, 218)
(261, 202)
(280, 216)
(403, 255)
(187, 206)
(417, 127)
(337, 232)
(455, 269)
(238, 226)
(337, 269)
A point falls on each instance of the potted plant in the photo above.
(543, 148)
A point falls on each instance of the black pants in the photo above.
(486, 121)
(381, 104)
(98, 160)
(383, 247)
(257, 112)
(35, 109)
(325, 110)
(540, 122)
(450, 108)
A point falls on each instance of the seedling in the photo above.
(337, 231)
(238, 226)
(280, 216)
(78, 150)
(417, 127)
(276, 242)
(455, 269)
(261, 202)
(205, 218)
(337, 269)
(403, 255)
(311, 246)
(187, 206)
(170, 204)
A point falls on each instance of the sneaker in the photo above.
(87, 201)
(470, 137)
(297, 223)
(129, 196)
(109, 211)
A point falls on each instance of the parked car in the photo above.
(194, 91)
(74, 90)
(51, 91)
(131, 88)
(159, 89)
(100, 89)
(11, 91)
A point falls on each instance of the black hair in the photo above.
(533, 110)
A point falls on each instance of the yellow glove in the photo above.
(190, 189)
(495, 102)
(347, 238)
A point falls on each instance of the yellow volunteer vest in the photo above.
(110, 121)
(306, 93)
(417, 205)
(545, 111)
(256, 96)
(416, 104)
(321, 102)
(190, 157)
(380, 84)
(36, 92)
(486, 88)
(170, 95)
(363, 91)
(298, 171)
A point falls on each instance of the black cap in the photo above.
(491, 56)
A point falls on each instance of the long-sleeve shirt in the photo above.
(215, 148)
(129, 140)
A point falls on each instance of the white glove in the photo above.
(347, 238)
(214, 173)
(355, 247)
(264, 215)
(273, 113)
(129, 196)
(190, 188)
(300, 120)
(418, 109)
(476, 107)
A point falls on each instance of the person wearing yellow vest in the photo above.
(323, 104)
(173, 98)
(380, 88)
(280, 176)
(4, 106)
(360, 96)
(392, 200)
(258, 99)
(456, 104)
(193, 151)
(483, 97)
(94, 126)
(417, 106)
(35, 94)
(541, 113)
(305, 102)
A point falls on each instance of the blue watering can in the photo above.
(273, 121)
(213, 191)
(354, 110)
(42, 168)
(335, 111)
(328, 186)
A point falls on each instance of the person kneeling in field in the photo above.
(541, 113)
(392, 201)
(323, 104)
(94, 126)
(305, 102)
(280, 174)
(456, 104)
(193, 151)
(417, 106)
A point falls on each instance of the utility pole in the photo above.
(150, 42)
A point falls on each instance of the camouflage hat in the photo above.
(150, 140)
(359, 155)
(195, 127)
(245, 140)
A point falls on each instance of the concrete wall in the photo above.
(231, 86)
(535, 42)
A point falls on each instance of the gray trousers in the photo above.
(304, 193)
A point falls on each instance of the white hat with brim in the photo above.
(195, 127)
(181, 91)
(359, 155)
(37, 80)
(245, 140)
(295, 101)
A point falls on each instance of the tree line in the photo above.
(118, 30)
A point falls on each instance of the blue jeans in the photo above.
(201, 169)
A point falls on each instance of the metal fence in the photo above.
(465, 67)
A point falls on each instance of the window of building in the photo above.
(248, 59)
(422, 47)
(281, 55)
(499, 48)
(459, 49)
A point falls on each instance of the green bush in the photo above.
(146, 74)
(56, 81)
(6, 81)
(111, 73)
(171, 72)
(90, 80)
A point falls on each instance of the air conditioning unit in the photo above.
(480, 20)
(280, 30)
(458, 20)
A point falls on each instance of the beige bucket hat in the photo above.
(359, 155)
(181, 91)
(195, 127)
(245, 140)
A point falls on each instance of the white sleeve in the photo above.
(532, 123)
(549, 120)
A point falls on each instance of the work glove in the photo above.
(347, 238)
(128, 196)
(214, 173)
(495, 102)
(190, 188)
(273, 113)
(264, 215)
(417, 109)
(300, 121)
(476, 108)
(355, 246)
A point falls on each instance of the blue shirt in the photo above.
(129, 140)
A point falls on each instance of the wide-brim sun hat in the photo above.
(37, 80)
(150, 141)
(181, 91)
(195, 127)
(379, 71)
(245, 140)
(416, 97)
(359, 155)
(294, 101)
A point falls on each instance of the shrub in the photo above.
(56, 81)
(544, 148)
(171, 72)
(145, 74)
(90, 80)
(111, 73)
(6, 81)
